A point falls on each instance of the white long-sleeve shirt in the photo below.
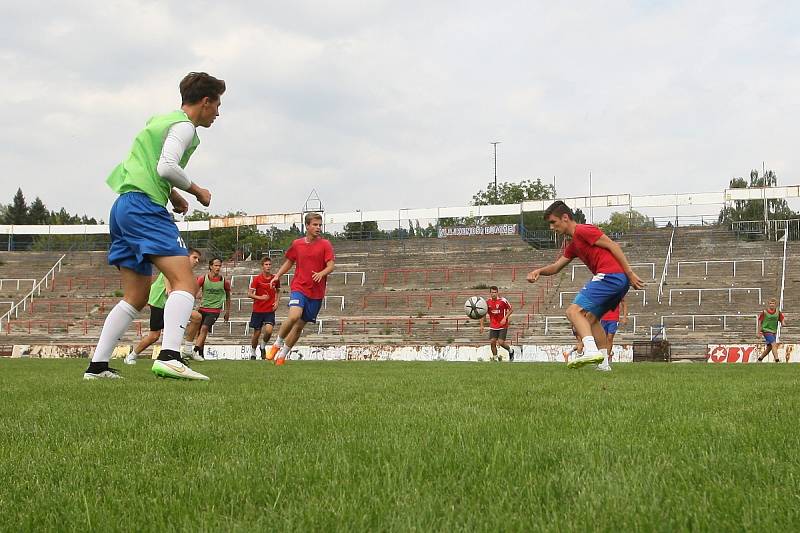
(179, 137)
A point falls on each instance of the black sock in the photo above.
(97, 367)
(168, 355)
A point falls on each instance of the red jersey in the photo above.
(261, 286)
(599, 260)
(498, 309)
(612, 314)
(309, 257)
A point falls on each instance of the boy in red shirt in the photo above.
(314, 258)
(612, 276)
(265, 302)
(499, 311)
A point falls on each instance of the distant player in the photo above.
(216, 296)
(769, 319)
(499, 312)
(265, 302)
(612, 276)
(314, 260)
(610, 322)
(143, 232)
(159, 291)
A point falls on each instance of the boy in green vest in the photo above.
(216, 294)
(769, 319)
(159, 291)
(143, 232)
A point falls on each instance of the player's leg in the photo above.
(493, 335)
(609, 330)
(256, 321)
(177, 312)
(294, 314)
(769, 340)
(195, 320)
(136, 290)
(266, 331)
(587, 327)
(310, 310)
(504, 343)
(291, 340)
(147, 341)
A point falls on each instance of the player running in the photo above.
(314, 258)
(499, 312)
(610, 323)
(143, 232)
(612, 276)
(216, 294)
(769, 319)
(159, 291)
(265, 302)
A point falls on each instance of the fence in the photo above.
(724, 318)
(730, 291)
(633, 266)
(36, 289)
(17, 281)
(550, 319)
(721, 261)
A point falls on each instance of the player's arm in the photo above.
(482, 319)
(179, 138)
(227, 287)
(317, 276)
(623, 312)
(549, 270)
(286, 266)
(619, 255)
(199, 292)
(508, 313)
(179, 203)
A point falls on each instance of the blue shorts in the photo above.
(257, 320)
(310, 306)
(609, 326)
(769, 337)
(140, 228)
(602, 293)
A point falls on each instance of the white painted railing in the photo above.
(35, 290)
(634, 291)
(724, 318)
(652, 267)
(729, 290)
(550, 319)
(340, 299)
(17, 281)
(290, 275)
(666, 267)
(720, 261)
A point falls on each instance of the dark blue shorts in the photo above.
(769, 337)
(310, 306)
(609, 326)
(140, 228)
(602, 293)
(257, 320)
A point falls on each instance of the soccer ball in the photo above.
(475, 307)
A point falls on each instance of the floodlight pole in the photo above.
(494, 144)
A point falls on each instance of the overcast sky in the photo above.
(393, 104)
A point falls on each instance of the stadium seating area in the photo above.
(413, 291)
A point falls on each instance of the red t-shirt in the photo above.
(309, 257)
(261, 286)
(599, 260)
(497, 310)
(613, 314)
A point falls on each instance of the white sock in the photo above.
(177, 312)
(284, 351)
(604, 353)
(114, 328)
(589, 346)
(279, 342)
(254, 350)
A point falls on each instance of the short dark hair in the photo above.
(197, 85)
(312, 216)
(195, 251)
(494, 288)
(265, 259)
(559, 208)
(214, 259)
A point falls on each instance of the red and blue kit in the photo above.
(498, 308)
(261, 286)
(609, 284)
(309, 257)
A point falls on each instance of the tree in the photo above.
(579, 216)
(362, 230)
(17, 212)
(38, 213)
(620, 222)
(515, 193)
(739, 210)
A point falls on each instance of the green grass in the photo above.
(399, 447)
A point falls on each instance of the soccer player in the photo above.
(499, 312)
(769, 319)
(216, 294)
(314, 260)
(159, 291)
(612, 276)
(143, 232)
(265, 302)
(610, 323)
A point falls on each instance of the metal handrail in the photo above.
(37, 288)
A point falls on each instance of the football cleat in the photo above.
(175, 369)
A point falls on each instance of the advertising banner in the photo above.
(478, 231)
(749, 353)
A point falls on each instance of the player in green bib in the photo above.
(216, 296)
(143, 232)
(158, 297)
(769, 320)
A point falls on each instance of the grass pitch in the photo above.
(400, 446)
